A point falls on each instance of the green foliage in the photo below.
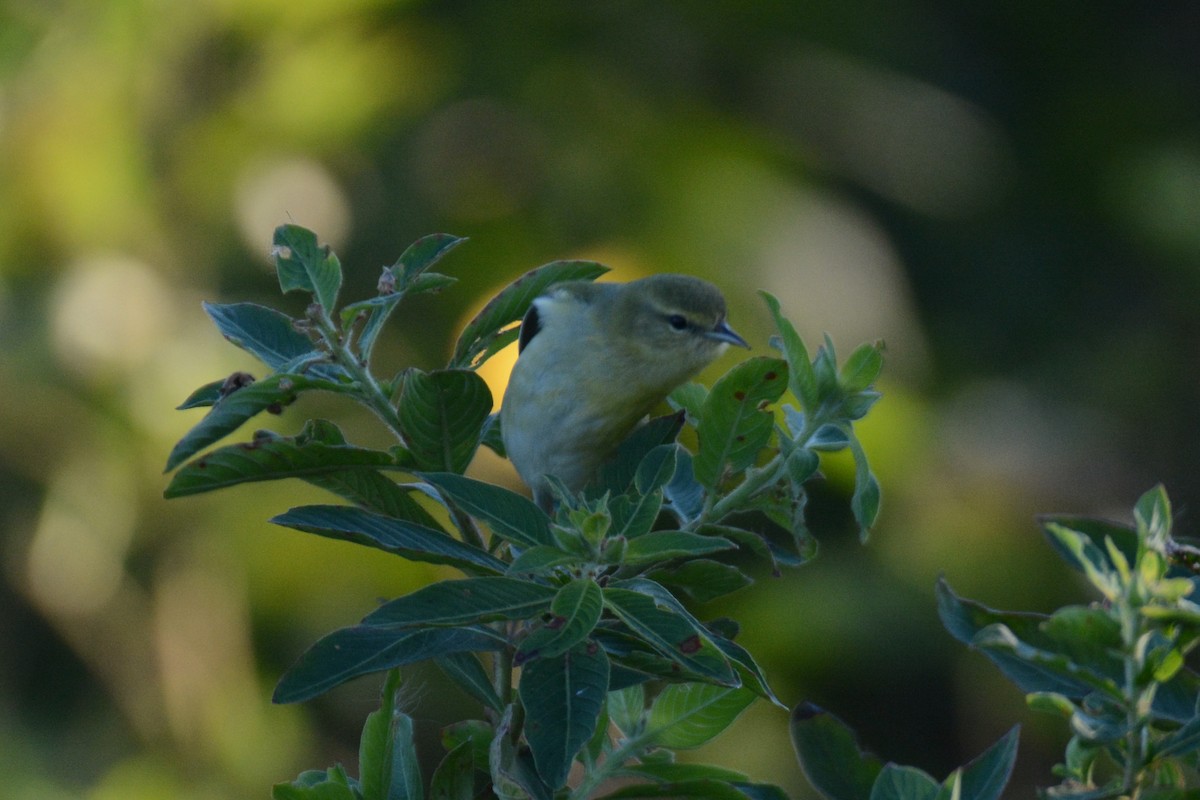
(840, 770)
(1115, 670)
(586, 601)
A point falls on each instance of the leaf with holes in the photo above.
(230, 412)
(735, 424)
(301, 263)
(574, 612)
(674, 635)
(269, 457)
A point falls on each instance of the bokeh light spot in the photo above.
(109, 313)
(273, 191)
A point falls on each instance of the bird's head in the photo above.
(675, 323)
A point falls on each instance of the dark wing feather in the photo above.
(530, 325)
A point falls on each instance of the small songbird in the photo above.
(595, 359)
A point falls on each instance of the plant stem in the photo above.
(371, 394)
(1134, 755)
(756, 479)
(502, 667)
(596, 776)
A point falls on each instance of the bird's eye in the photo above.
(677, 321)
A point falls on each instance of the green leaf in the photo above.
(825, 370)
(469, 600)
(867, 497)
(207, 395)
(542, 559)
(633, 515)
(904, 783)
(1027, 651)
(562, 696)
(476, 734)
(861, 368)
(387, 757)
(760, 546)
(1050, 703)
(267, 458)
(670, 771)
(365, 488)
(827, 438)
(701, 579)
(1153, 516)
(420, 256)
(1097, 531)
(626, 707)
(410, 540)
(512, 771)
(985, 777)
(672, 632)
(332, 784)
(686, 715)
(574, 612)
(694, 789)
(689, 398)
(303, 264)
(659, 546)
(510, 515)
(1096, 564)
(510, 305)
(751, 673)
(349, 652)
(492, 437)
(656, 468)
(618, 473)
(442, 415)
(830, 756)
(270, 394)
(634, 662)
(267, 334)
(734, 426)
(1082, 642)
(454, 778)
(683, 491)
(1181, 741)
(399, 280)
(801, 378)
(466, 671)
(374, 492)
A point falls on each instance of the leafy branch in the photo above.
(588, 602)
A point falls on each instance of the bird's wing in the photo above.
(530, 325)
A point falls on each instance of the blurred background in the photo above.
(1007, 193)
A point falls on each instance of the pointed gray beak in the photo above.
(723, 333)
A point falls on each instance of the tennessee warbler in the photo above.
(595, 358)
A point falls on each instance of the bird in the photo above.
(594, 359)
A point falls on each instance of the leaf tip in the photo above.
(806, 711)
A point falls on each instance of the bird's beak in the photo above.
(723, 333)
